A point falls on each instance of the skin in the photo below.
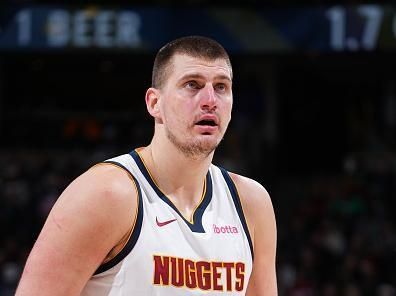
(69, 250)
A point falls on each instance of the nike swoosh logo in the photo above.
(160, 224)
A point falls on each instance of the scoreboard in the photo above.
(318, 29)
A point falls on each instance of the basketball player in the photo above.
(163, 220)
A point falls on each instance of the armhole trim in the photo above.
(238, 206)
(136, 228)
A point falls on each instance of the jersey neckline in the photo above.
(196, 224)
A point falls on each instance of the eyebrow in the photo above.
(199, 76)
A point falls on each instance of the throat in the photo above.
(181, 182)
(187, 202)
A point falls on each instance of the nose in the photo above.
(208, 98)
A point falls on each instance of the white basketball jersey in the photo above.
(169, 255)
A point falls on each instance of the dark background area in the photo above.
(316, 129)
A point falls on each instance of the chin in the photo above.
(201, 148)
(208, 139)
(208, 145)
(195, 147)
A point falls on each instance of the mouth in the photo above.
(207, 126)
(207, 122)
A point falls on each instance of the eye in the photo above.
(221, 87)
(192, 84)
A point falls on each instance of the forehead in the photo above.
(182, 65)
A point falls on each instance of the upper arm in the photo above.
(87, 221)
(260, 217)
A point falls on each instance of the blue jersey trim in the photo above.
(238, 206)
(199, 211)
(135, 232)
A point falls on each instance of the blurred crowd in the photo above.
(30, 182)
(337, 234)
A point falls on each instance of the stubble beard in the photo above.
(196, 149)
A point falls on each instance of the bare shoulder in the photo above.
(251, 193)
(104, 196)
(104, 190)
(88, 220)
(104, 184)
(260, 217)
(257, 208)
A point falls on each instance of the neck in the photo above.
(178, 176)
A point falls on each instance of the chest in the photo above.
(175, 253)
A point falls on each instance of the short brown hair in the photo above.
(194, 46)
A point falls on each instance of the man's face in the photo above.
(196, 103)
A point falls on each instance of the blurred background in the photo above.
(314, 120)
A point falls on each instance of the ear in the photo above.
(152, 102)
